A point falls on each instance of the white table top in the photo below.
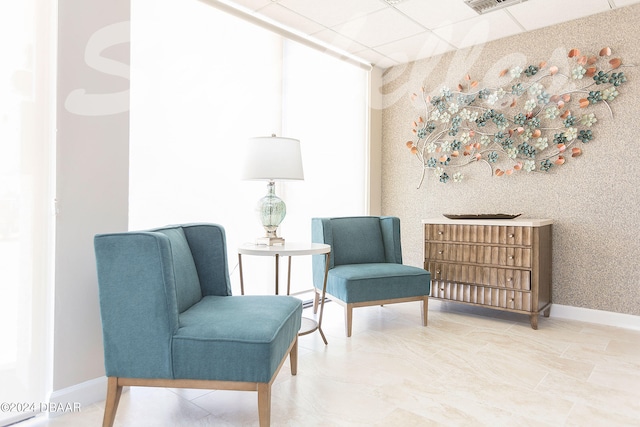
(516, 222)
(287, 249)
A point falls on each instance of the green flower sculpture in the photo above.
(520, 127)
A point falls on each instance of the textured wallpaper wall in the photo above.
(594, 199)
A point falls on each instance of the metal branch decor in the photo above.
(522, 127)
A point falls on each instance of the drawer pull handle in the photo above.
(511, 236)
(437, 271)
(440, 252)
(511, 257)
(440, 232)
(510, 279)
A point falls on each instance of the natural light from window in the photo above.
(26, 220)
(202, 83)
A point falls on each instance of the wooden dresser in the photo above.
(501, 264)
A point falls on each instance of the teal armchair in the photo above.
(169, 319)
(366, 265)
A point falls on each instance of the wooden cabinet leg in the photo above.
(534, 321)
(547, 312)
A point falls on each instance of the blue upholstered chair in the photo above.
(169, 320)
(366, 265)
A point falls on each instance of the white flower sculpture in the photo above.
(520, 127)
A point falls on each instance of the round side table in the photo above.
(291, 249)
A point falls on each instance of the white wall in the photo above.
(92, 173)
(375, 142)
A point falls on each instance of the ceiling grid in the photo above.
(390, 32)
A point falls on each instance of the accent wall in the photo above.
(592, 199)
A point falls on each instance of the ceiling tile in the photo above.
(252, 4)
(415, 47)
(536, 14)
(341, 42)
(333, 12)
(436, 13)
(384, 63)
(379, 28)
(290, 19)
(376, 58)
(481, 29)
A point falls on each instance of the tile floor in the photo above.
(469, 367)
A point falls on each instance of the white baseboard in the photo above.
(601, 317)
(83, 394)
(609, 318)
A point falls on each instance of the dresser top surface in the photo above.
(516, 222)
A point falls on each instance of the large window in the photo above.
(202, 83)
(25, 202)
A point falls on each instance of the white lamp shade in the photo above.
(272, 158)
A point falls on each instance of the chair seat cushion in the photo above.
(236, 338)
(377, 281)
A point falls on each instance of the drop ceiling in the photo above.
(390, 32)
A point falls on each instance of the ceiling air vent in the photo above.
(486, 6)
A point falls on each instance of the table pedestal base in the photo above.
(310, 325)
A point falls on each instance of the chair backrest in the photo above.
(357, 240)
(208, 247)
(187, 283)
(146, 279)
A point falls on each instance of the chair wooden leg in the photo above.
(264, 404)
(293, 358)
(113, 398)
(425, 310)
(348, 311)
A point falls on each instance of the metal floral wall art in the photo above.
(532, 124)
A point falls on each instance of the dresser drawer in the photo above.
(483, 295)
(503, 256)
(496, 234)
(481, 275)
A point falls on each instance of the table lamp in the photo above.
(272, 159)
